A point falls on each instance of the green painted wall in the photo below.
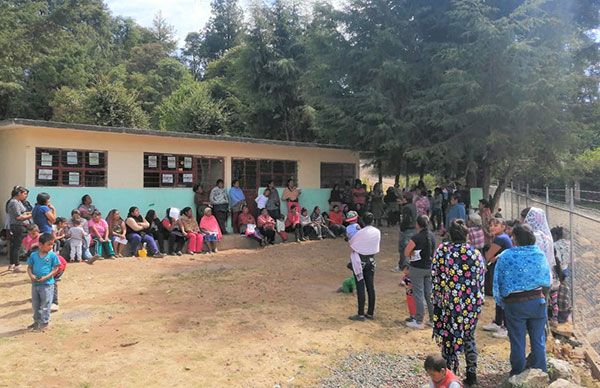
(66, 199)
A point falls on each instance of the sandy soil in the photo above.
(236, 318)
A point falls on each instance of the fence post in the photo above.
(567, 195)
(518, 197)
(547, 203)
(571, 258)
(512, 191)
(527, 195)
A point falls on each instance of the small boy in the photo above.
(353, 227)
(76, 241)
(441, 376)
(42, 266)
(31, 242)
(59, 230)
(410, 299)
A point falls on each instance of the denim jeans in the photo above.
(41, 301)
(368, 283)
(522, 318)
(421, 284)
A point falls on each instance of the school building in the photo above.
(123, 167)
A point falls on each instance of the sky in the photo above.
(185, 15)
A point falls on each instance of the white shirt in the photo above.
(366, 241)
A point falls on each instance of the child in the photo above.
(441, 376)
(348, 285)
(59, 231)
(42, 266)
(31, 241)
(353, 227)
(476, 234)
(410, 299)
(61, 270)
(76, 241)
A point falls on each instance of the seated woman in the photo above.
(308, 227)
(336, 221)
(135, 225)
(156, 229)
(116, 231)
(247, 225)
(266, 226)
(317, 218)
(292, 223)
(86, 209)
(99, 232)
(172, 231)
(209, 226)
(190, 228)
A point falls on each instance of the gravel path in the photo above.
(398, 370)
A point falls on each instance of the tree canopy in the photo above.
(464, 89)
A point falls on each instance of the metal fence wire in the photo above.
(581, 223)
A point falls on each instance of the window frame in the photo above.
(60, 168)
(178, 171)
(326, 181)
(261, 170)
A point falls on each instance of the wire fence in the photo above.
(581, 223)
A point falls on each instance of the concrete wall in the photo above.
(125, 166)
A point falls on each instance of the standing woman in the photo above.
(336, 198)
(536, 219)
(209, 226)
(86, 209)
(377, 204)
(274, 202)
(190, 228)
(219, 201)
(201, 200)
(237, 200)
(458, 266)
(291, 194)
(44, 213)
(420, 270)
(135, 225)
(116, 231)
(18, 220)
(359, 195)
(521, 276)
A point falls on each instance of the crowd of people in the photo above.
(521, 263)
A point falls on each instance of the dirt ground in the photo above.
(237, 318)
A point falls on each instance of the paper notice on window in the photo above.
(152, 161)
(73, 179)
(94, 158)
(187, 162)
(416, 256)
(167, 178)
(188, 178)
(171, 162)
(45, 175)
(46, 159)
(71, 157)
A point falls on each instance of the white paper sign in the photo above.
(187, 162)
(45, 175)
(152, 161)
(171, 162)
(73, 179)
(94, 158)
(416, 256)
(167, 178)
(71, 157)
(188, 178)
(46, 159)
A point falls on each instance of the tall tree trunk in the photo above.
(486, 178)
(379, 172)
(397, 179)
(502, 183)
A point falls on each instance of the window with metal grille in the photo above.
(168, 170)
(254, 173)
(67, 167)
(332, 173)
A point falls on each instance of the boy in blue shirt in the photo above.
(42, 265)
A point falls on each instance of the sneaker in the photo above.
(409, 319)
(91, 260)
(359, 318)
(178, 253)
(18, 269)
(158, 255)
(11, 267)
(491, 327)
(415, 325)
(33, 326)
(54, 307)
(41, 327)
(501, 333)
(471, 380)
(369, 316)
(112, 258)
